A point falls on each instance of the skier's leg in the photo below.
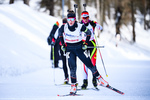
(51, 56)
(85, 77)
(93, 56)
(56, 55)
(85, 72)
(87, 61)
(72, 66)
(64, 67)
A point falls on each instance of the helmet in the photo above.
(84, 14)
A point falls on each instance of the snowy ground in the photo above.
(25, 69)
(132, 79)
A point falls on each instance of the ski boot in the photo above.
(94, 82)
(66, 81)
(85, 84)
(102, 81)
(73, 89)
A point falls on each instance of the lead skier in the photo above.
(71, 38)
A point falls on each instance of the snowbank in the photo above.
(23, 39)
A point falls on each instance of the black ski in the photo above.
(70, 95)
(114, 89)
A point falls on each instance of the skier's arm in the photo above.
(98, 26)
(95, 24)
(60, 32)
(55, 27)
(56, 34)
(87, 32)
(50, 38)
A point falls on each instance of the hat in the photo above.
(84, 14)
(71, 14)
(64, 20)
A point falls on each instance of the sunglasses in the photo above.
(70, 19)
(85, 17)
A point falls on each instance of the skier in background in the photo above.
(91, 51)
(53, 40)
(71, 39)
(118, 24)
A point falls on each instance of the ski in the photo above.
(70, 95)
(63, 84)
(95, 88)
(114, 89)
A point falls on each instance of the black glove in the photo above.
(84, 46)
(51, 41)
(63, 47)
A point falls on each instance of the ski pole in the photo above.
(95, 46)
(84, 5)
(53, 66)
(101, 58)
(75, 6)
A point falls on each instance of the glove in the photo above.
(84, 46)
(63, 47)
(53, 42)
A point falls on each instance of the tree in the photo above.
(69, 4)
(118, 15)
(49, 4)
(101, 11)
(11, 1)
(78, 2)
(25, 2)
(133, 20)
(144, 6)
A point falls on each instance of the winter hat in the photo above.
(57, 23)
(64, 20)
(84, 14)
(71, 14)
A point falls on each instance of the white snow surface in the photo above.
(26, 72)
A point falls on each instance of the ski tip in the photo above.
(58, 95)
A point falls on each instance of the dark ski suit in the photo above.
(56, 50)
(74, 43)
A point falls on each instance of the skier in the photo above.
(71, 38)
(53, 40)
(92, 51)
(55, 47)
(118, 25)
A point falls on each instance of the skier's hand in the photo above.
(53, 42)
(84, 46)
(63, 47)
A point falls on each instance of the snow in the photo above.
(25, 68)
